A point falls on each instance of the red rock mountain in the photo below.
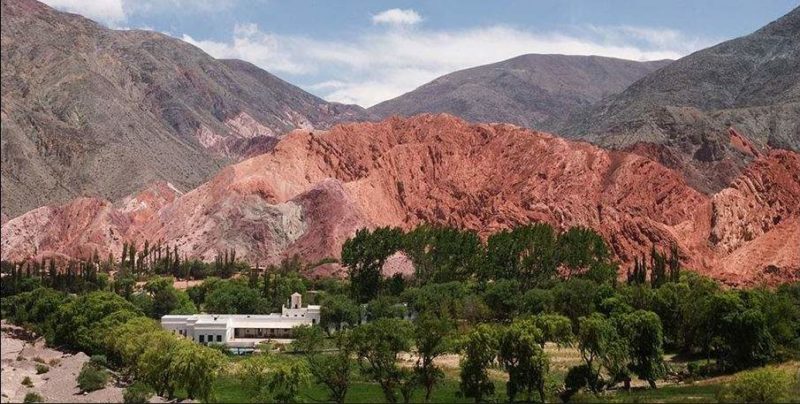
(316, 188)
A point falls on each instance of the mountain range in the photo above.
(535, 91)
(316, 188)
(87, 110)
(165, 143)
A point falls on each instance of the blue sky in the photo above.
(364, 52)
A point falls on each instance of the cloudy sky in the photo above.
(367, 51)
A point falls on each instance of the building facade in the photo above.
(243, 330)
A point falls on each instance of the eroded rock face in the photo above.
(315, 189)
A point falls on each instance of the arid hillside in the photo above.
(316, 188)
(88, 110)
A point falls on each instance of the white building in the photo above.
(243, 330)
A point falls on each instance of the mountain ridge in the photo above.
(533, 90)
(93, 111)
(316, 188)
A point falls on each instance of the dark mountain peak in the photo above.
(788, 25)
(750, 84)
(533, 90)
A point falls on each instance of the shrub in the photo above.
(138, 392)
(222, 348)
(33, 398)
(766, 385)
(27, 382)
(54, 362)
(40, 368)
(38, 359)
(99, 361)
(91, 378)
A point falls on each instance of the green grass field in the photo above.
(228, 389)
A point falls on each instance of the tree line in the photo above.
(496, 303)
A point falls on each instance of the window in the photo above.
(201, 339)
(219, 338)
(210, 338)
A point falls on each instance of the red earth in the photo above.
(315, 189)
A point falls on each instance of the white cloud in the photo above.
(110, 12)
(115, 12)
(397, 17)
(380, 65)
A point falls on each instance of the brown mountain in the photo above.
(314, 189)
(535, 91)
(710, 112)
(88, 110)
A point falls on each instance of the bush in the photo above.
(766, 385)
(54, 362)
(92, 378)
(99, 361)
(137, 392)
(222, 348)
(40, 368)
(33, 398)
(38, 359)
(27, 382)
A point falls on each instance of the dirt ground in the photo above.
(19, 359)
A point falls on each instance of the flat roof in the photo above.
(274, 320)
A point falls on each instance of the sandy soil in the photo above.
(58, 385)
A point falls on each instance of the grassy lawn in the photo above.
(228, 390)
(669, 394)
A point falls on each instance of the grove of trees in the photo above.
(497, 303)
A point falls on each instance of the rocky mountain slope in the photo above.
(699, 107)
(535, 91)
(315, 188)
(88, 110)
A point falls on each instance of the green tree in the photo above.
(364, 256)
(502, 297)
(385, 307)
(430, 337)
(443, 299)
(642, 330)
(554, 328)
(580, 249)
(377, 345)
(737, 334)
(576, 298)
(524, 359)
(442, 254)
(538, 301)
(78, 323)
(194, 368)
(525, 253)
(332, 370)
(338, 311)
(479, 350)
(601, 348)
(153, 365)
(163, 295)
(286, 381)
(234, 297)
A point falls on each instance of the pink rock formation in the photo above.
(315, 189)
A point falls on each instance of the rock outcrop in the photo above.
(315, 188)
